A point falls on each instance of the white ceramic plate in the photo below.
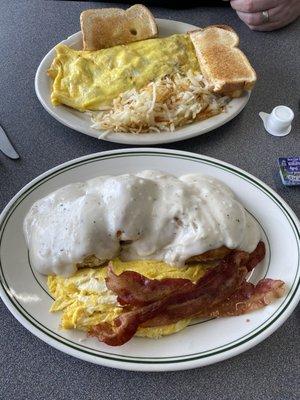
(81, 122)
(25, 293)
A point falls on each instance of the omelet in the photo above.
(85, 301)
(90, 80)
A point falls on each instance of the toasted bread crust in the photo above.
(107, 27)
(224, 65)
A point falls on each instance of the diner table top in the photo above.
(30, 368)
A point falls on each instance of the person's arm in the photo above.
(266, 15)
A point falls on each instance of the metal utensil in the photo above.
(6, 147)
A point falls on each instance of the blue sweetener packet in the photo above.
(289, 169)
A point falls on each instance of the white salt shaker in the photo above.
(279, 122)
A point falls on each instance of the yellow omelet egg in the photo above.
(85, 301)
(87, 80)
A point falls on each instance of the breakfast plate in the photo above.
(25, 293)
(81, 122)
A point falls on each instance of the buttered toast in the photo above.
(107, 27)
(223, 64)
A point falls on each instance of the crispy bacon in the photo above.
(135, 289)
(218, 283)
(247, 298)
(210, 255)
(256, 256)
(191, 307)
(126, 325)
(222, 291)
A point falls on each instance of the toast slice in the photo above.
(107, 27)
(225, 66)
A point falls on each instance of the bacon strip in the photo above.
(191, 308)
(256, 256)
(210, 255)
(126, 325)
(137, 290)
(216, 285)
(246, 299)
(222, 291)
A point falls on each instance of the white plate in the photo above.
(25, 293)
(81, 122)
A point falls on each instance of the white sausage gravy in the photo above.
(147, 215)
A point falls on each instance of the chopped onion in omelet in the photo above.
(85, 300)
